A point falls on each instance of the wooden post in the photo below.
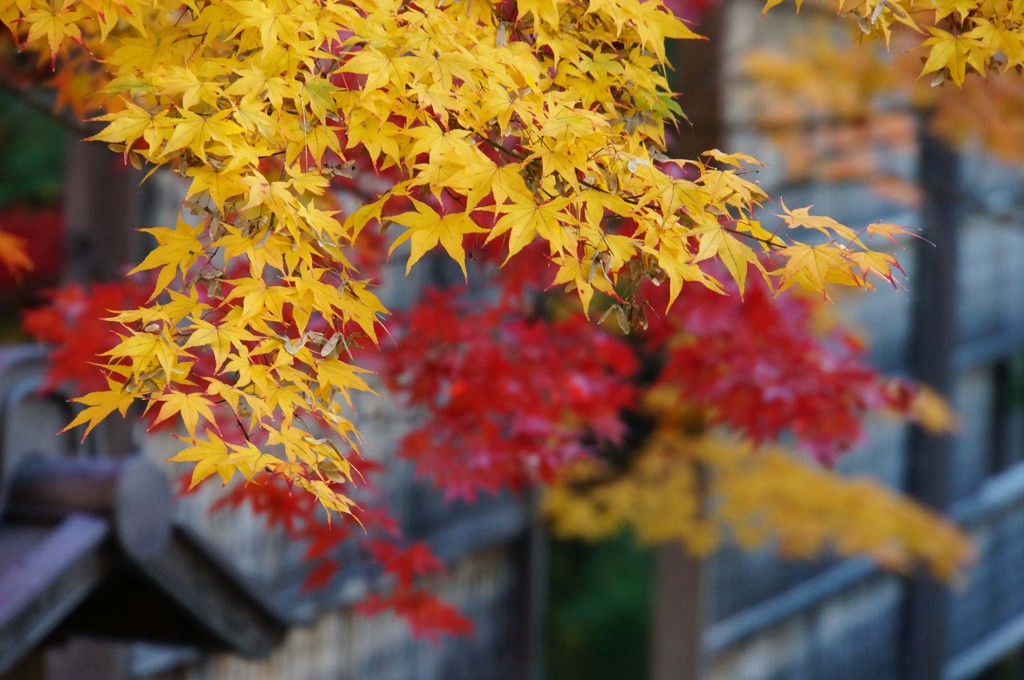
(679, 610)
(698, 79)
(535, 566)
(101, 216)
(101, 208)
(681, 586)
(925, 617)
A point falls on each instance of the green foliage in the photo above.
(599, 609)
(32, 148)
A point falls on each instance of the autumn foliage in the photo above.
(527, 142)
(552, 130)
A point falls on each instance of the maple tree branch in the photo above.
(238, 421)
(501, 147)
(770, 242)
(629, 199)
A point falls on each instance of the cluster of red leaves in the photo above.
(427, 615)
(769, 367)
(379, 539)
(509, 398)
(72, 323)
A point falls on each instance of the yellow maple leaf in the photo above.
(952, 53)
(210, 455)
(220, 338)
(128, 126)
(674, 261)
(426, 228)
(194, 131)
(814, 266)
(801, 218)
(177, 250)
(99, 405)
(542, 10)
(56, 25)
(524, 220)
(221, 185)
(381, 69)
(366, 311)
(342, 376)
(889, 231)
(482, 177)
(190, 407)
(737, 256)
(880, 264)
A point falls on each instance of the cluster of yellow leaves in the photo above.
(536, 120)
(818, 102)
(834, 108)
(700, 489)
(958, 36)
(987, 113)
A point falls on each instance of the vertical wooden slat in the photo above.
(698, 80)
(933, 340)
(999, 455)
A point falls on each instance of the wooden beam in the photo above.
(48, 581)
(131, 491)
(83, 658)
(218, 598)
